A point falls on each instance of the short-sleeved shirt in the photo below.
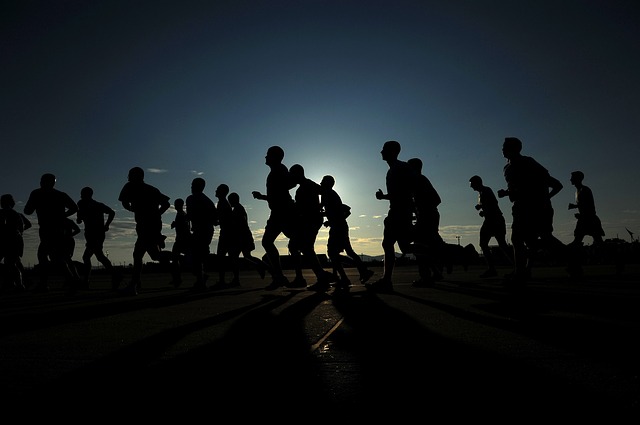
(494, 223)
(242, 240)
(145, 201)
(280, 202)
(279, 182)
(225, 243)
(588, 221)
(400, 182)
(426, 200)
(528, 186)
(183, 232)
(50, 206)
(307, 215)
(202, 213)
(92, 214)
(336, 213)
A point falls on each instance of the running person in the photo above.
(400, 183)
(493, 225)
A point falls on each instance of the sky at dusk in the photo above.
(203, 88)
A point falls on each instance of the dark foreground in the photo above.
(466, 348)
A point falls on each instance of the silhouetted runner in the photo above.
(203, 215)
(225, 240)
(398, 225)
(280, 220)
(307, 221)
(242, 239)
(336, 214)
(530, 188)
(588, 223)
(71, 229)
(52, 208)
(181, 249)
(427, 240)
(147, 204)
(92, 213)
(493, 225)
(12, 226)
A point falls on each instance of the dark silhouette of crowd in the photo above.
(411, 224)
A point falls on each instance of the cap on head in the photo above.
(475, 180)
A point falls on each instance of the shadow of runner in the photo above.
(60, 310)
(136, 372)
(391, 365)
(261, 366)
(262, 362)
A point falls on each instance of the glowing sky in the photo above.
(185, 88)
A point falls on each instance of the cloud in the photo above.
(156, 170)
(197, 173)
(460, 234)
(122, 228)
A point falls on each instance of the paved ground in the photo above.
(466, 348)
